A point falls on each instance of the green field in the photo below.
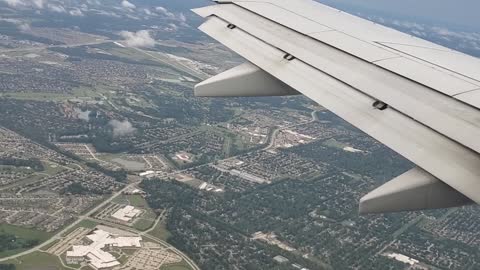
(83, 223)
(78, 93)
(37, 261)
(176, 266)
(143, 224)
(160, 231)
(45, 248)
(138, 202)
(22, 233)
(11, 168)
(52, 168)
(195, 183)
(133, 200)
(334, 144)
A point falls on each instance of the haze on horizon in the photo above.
(462, 13)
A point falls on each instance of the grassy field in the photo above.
(83, 223)
(334, 144)
(45, 248)
(16, 169)
(24, 233)
(52, 168)
(133, 200)
(37, 261)
(176, 266)
(160, 231)
(36, 96)
(143, 224)
(84, 93)
(195, 183)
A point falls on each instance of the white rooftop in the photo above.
(126, 213)
(94, 252)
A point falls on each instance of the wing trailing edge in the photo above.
(419, 117)
(413, 190)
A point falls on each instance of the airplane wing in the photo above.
(420, 99)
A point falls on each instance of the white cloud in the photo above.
(128, 5)
(14, 3)
(76, 12)
(93, 2)
(56, 8)
(25, 3)
(166, 13)
(24, 27)
(163, 11)
(121, 128)
(172, 27)
(141, 38)
(132, 17)
(105, 13)
(419, 33)
(409, 25)
(448, 34)
(38, 3)
(9, 20)
(182, 17)
(21, 25)
(380, 20)
(443, 31)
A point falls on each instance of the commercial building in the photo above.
(95, 254)
(127, 213)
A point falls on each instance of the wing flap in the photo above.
(437, 111)
(447, 160)
(413, 190)
(245, 80)
(472, 97)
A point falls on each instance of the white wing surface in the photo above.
(420, 99)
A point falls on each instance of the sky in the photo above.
(459, 13)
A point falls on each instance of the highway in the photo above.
(274, 133)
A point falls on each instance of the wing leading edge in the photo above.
(350, 75)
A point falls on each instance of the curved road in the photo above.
(274, 133)
(104, 203)
(86, 216)
(59, 234)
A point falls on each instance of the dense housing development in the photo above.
(108, 161)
